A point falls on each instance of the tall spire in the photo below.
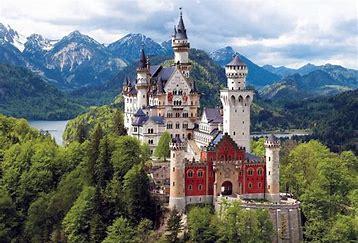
(143, 60)
(181, 31)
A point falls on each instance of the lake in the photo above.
(55, 128)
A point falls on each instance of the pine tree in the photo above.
(93, 154)
(103, 167)
(118, 126)
(174, 226)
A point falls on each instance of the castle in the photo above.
(210, 156)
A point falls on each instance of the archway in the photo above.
(226, 188)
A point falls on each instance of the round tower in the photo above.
(181, 47)
(272, 147)
(236, 101)
(142, 81)
(236, 72)
(177, 175)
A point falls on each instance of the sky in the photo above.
(277, 32)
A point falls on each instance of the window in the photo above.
(250, 185)
(250, 171)
(200, 173)
(177, 114)
(269, 173)
(135, 129)
(268, 186)
(259, 185)
(190, 187)
(173, 183)
(185, 125)
(173, 169)
(190, 173)
(169, 115)
(185, 115)
(150, 141)
(200, 187)
(150, 130)
(177, 125)
(259, 171)
(169, 126)
(269, 158)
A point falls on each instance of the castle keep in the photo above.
(210, 157)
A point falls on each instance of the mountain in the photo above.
(315, 83)
(74, 61)
(129, 47)
(257, 76)
(11, 44)
(281, 71)
(25, 94)
(36, 47)
(7, 34)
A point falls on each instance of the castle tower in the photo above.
(272, 147)
(177, 175)
(236, 101)
(181, 47)
(142, 81)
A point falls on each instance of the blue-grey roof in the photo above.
(252, 157)
(236, 61)
(217, 139)
(180, 31)
(139, 113)
(157, 119)
(213, 115)
(272, 138)
(154, 69)
(139, 121)
(142, 60)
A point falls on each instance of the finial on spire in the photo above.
(180, 11)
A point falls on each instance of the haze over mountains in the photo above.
(77, 61)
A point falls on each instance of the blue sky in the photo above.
(277, 32)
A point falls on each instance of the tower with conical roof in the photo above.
(181, 46)
(143, 77)
(272, 148)
(236, 101)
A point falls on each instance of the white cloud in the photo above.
(278, 32)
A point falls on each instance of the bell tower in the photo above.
(181, 46)
(236, 101)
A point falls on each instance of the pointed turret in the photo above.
(181, 47)
(142, 60)
(180, 33)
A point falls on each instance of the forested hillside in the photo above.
(25, 94)
(96, 189)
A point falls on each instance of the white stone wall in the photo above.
(130, 108)
(236, 77)
(273, 173)
(236, 118)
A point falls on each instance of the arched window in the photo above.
(250, 171)
(190, 187)
(259, 171)
(250, 185)
(200, 173)
(259, 185)
(200, 187)
(190, 173)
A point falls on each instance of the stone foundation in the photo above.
(285, 216)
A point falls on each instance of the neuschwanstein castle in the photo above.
(210, 154)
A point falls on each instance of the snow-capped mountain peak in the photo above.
(11, 36)
(38, 41)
